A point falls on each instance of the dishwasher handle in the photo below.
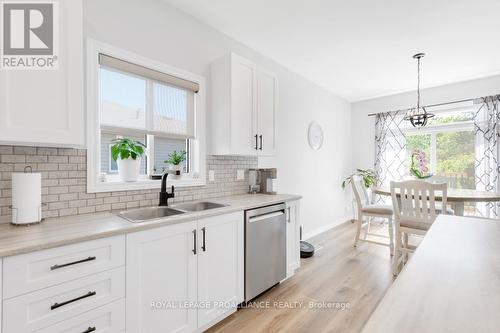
(264, 216)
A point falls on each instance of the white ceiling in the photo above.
(361, 49)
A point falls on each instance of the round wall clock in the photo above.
(315, 135)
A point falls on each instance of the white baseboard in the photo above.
(326, 227)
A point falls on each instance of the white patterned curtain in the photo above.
(486, 164)
(390, 146)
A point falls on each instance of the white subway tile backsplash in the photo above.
(64, 182)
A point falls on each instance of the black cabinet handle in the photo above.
(203, 247)
(194, 241)
(72, 263)
(256, 142)
(90, 329)
(58, 305)
(289, 216)
(260, 137)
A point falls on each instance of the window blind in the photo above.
(125, 66)
(136, 98)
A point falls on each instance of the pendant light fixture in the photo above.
(418, 116)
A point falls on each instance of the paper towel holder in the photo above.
(40, 219)
(15, 210)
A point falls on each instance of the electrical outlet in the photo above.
(240, 174)
(211, 175)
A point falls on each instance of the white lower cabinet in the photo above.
(42, 308)
(292, 237)
(184, 277)
(178, 278)
(28, 272)
(162, 279)
(220, 267)
(109, 318)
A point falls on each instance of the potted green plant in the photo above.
(369, 177)
(128, 154)
(174, 161)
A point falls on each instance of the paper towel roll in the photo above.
(26, 198)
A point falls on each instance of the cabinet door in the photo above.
(45, 107)
(220, 266)
(293, 237)
(266, 112)
(243, 106)
(161, 279)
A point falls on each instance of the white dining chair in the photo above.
(415, 209)
(367, 210)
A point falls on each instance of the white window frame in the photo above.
(110, 162)
(441, 128)
(197, 177)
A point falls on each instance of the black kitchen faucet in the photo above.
(164, 195)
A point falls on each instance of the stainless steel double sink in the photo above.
(153, 213)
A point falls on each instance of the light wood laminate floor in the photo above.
(338, 272)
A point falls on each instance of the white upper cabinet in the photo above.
(243, 110)
(266, 115)
(45, 107)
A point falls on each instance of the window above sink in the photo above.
(142, 99)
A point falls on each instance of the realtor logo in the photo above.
(30, 35)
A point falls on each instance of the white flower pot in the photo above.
(129, 169)
(175, 171)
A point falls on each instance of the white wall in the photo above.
(156, 30)
(363, 126)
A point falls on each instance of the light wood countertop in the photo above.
(59, 231)
(451, 284)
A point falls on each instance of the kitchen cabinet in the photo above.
(33, 271)
(292, 236)
(182, 277)
(45, 107)
(162, 279)
(65, 288)
(220, 266)
(109, 318)
(266, 112)
(185, 277)
(45, 307)
(243, 109)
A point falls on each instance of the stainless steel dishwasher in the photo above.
(265, 249)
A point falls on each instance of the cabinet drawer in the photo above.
(42, 308)
(109, 318)
(33, 271)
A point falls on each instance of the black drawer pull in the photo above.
(260, 137)
(90, 329)
(204, 246)
(58, 305)
(72, 263)
(194, 242)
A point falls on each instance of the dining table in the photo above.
(456, 197)
(450, 285)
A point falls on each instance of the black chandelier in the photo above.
(418, 116)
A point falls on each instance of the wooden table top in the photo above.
(451, 283)
(454, 195)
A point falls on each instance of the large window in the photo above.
(137, 98)
(448, 142)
